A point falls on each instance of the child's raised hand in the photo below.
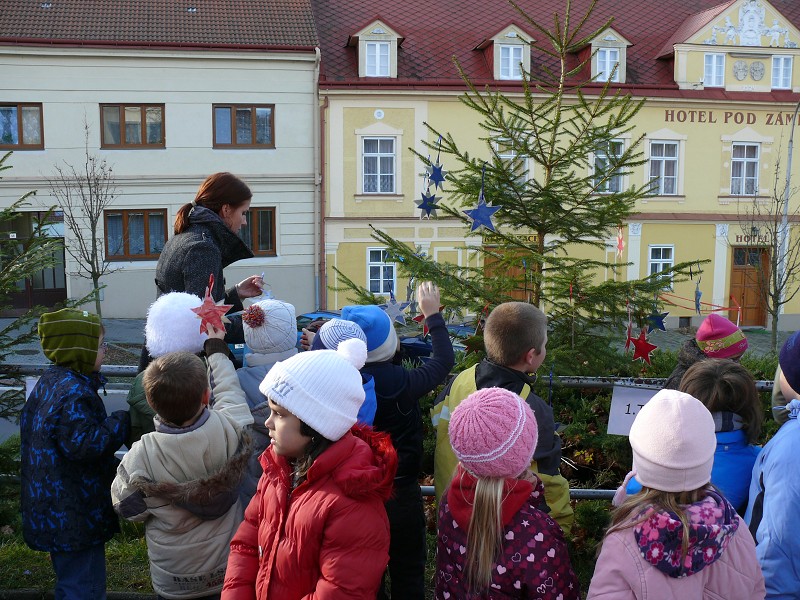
(218, 334)
(428, 298)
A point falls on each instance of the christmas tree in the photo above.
(543, 235)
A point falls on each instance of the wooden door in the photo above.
(524, 288)
(749, 272)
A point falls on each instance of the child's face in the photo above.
(284, 432)
(101, 353)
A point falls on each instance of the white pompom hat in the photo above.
(171, 325)
(321, 388)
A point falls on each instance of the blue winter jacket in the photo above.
(67, 452)
(772, 511)
(733, 463)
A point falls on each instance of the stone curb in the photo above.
(48, 595)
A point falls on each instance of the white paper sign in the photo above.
(626, 402)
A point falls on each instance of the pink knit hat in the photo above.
(673, 443)
(717, 337)
(494, 433)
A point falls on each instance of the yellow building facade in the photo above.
(715, 139)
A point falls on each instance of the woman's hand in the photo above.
(250, 287)
(428, 298)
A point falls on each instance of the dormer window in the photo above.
(609, 53)
(510, 61)
(377, 59)
(608, 65)
(377, 46)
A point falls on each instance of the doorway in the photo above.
(750, 273)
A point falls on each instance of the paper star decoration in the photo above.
(473, 344)
(629, 336)
(210, 312)
(482, 215)
(436, 175)
(395, 309)
(656, 321)
(420, 318)
(427, 204)
(642, 348)
(697, 295)
(620, 242)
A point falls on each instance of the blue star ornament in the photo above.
(482, 215)
(395, 309)
(428, 204)
(656, 321)
(437, 175)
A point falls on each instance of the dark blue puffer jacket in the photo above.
(68, 464)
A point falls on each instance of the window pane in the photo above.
(244, 126)
(375, 255)
(265, 241)
(111, 131)
(386, 146)
(9, 133)
(370, 165)
(135, 233)
(153, 116)
(263, 126)
(133, 125)
(155, 222)
(370, 146)
(738, 151)
(245, 231)
(222, 125)
(114, 234)
(31, 125)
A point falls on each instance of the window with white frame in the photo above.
(379, 165)
(781, 72)
(510, 60)
(714, 70)
(380, 272)
(664, 168)
(377, 64)
(661, 259)
(744, 169)
(608, 62)
(515, 162)
(606, 181)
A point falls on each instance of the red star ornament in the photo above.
(474, 344)
(210, 312)
(642, 348)
(420, 318)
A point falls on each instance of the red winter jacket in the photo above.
(326, 539)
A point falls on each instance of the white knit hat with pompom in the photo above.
(321, 388)
(171, 325)
(270, 327)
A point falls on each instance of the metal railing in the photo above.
(428, 490)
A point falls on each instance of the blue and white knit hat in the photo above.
(334, 332)
(382, 341)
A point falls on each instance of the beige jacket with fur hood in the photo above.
(183, 484)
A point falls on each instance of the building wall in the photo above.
(72, 82)
(700, 221)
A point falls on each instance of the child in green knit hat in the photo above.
(67, 454)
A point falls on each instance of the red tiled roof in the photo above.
(692, 25)
(256, 24)
(436, 32)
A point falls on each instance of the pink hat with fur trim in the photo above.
(494, 433)
(717, 337)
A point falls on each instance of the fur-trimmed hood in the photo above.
(363, 464)
(208, 498)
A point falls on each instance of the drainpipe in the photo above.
(783, 244)
(318, 226)
(322, 276)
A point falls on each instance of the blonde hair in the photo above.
(485, 533)
(635, 510)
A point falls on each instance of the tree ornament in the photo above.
(420, 318)
(428, 203)
(656, 321)
(436, 172)
(482, 214)
(210, 312)
(395, 309)
(642, 348)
